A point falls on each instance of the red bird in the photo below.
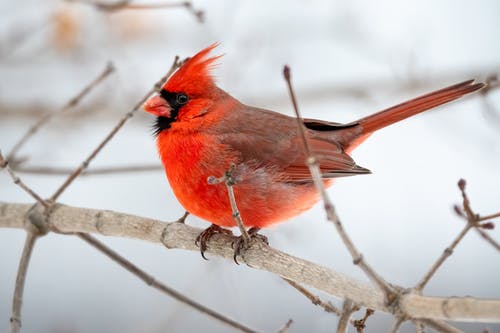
(202, 131)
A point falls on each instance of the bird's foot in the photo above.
(240, 242)
(206, 234)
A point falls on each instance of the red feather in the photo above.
(194, 77)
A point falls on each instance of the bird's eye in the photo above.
(181, 99)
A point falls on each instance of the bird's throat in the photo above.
(163, 123)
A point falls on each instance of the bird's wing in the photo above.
(266, 138)
(333, 161)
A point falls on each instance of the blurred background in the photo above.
(348, 59)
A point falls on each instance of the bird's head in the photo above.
(189, 91)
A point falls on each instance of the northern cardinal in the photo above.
(202, 131)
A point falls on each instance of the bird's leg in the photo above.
(240, 243)
(206, 234)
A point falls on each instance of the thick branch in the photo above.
(259, 256)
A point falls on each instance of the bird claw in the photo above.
(241, 244)
(205, 236)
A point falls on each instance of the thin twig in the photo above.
(17, 300)
(313, 165)
(152, 282)
(229, 180)
(183, 218)
(488, 217)
(473, 218)
(31, 237)
(69, 105)
(127, 4)
(488, 238)
(327, 306)
(347, 310)
(360, 324)
(446, 253)
(4, 164)
(286, 326)
(236, 212)
(54, 171)
(112, 133)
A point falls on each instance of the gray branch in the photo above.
(67, 219)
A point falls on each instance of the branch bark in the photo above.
(67, 219)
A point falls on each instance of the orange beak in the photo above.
(158, 106)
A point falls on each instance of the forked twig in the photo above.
(360, 324)
(112, 133)
(29, 243)
(327, 306)
(313, 165)
(152, 282)
(69, 105)
(474, 219)
(472, 222)
(4, 164)
(347, 310)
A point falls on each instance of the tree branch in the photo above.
(259, 256)
(17, 299)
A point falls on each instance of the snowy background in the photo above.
(348, 59)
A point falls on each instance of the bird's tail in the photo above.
(412, 107)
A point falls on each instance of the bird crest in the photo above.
(194, 77)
